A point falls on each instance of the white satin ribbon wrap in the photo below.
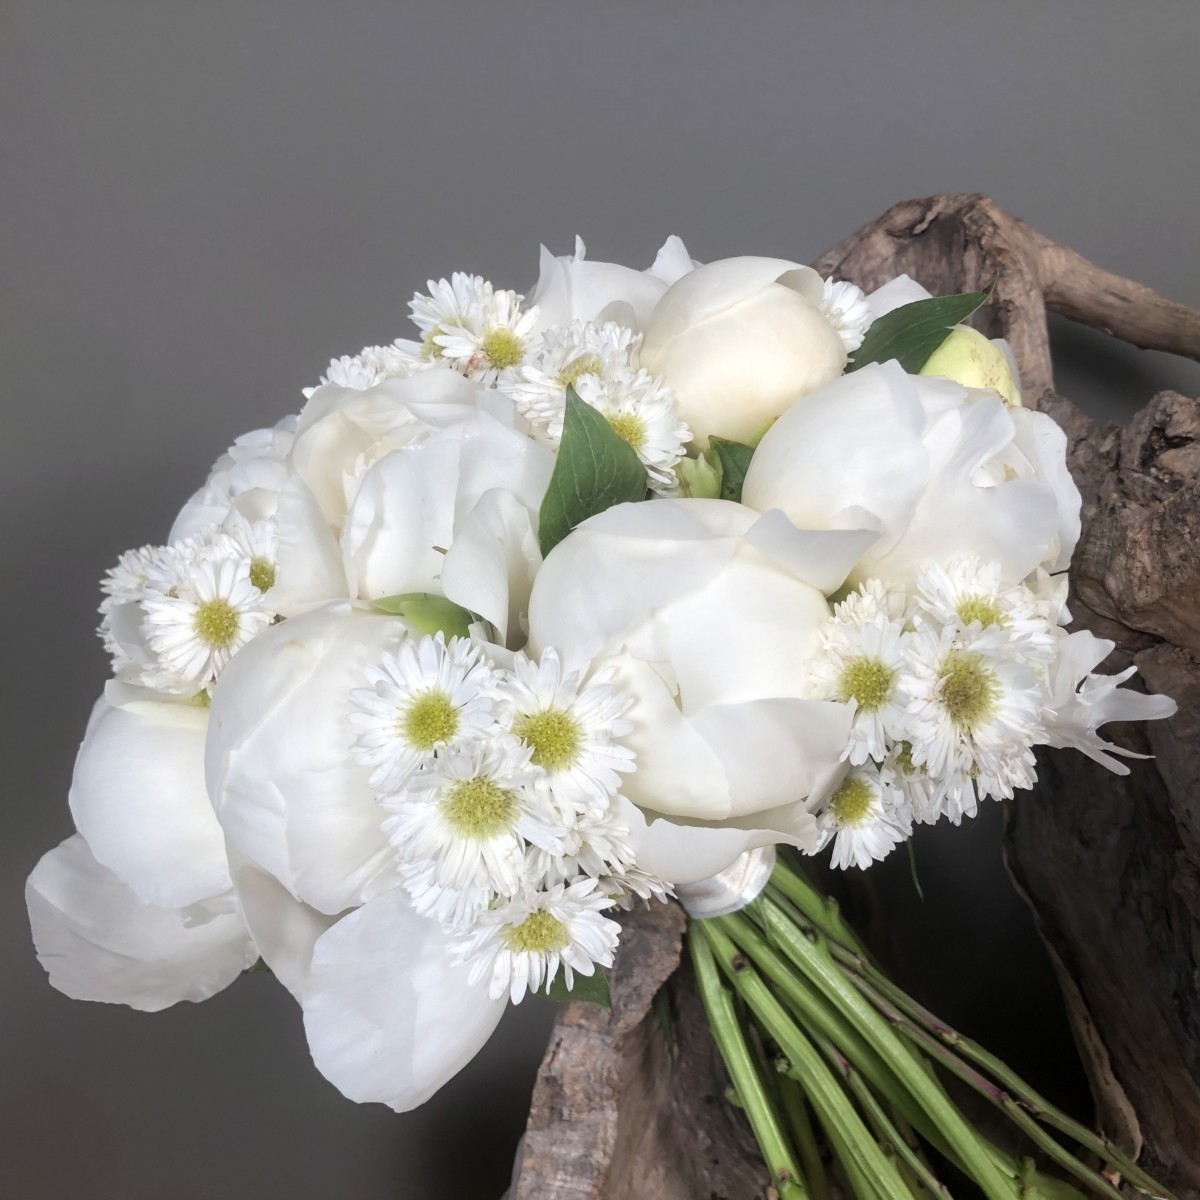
(731, 889)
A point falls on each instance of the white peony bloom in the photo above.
(575, 288)
(738, 342)
(707, 615)
(246, 479)
(937, 471)
(283, 776)
(137, 908)
(1079, 702)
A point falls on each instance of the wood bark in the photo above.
(1109, 864)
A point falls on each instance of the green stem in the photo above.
(727, 1033)
(827, 976)
(795, 1108)
(831, 1104)
(1013, 1084)
(884, 1128)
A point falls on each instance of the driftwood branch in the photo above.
(1110, 865)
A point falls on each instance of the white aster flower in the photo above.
(972, 709)
(641, 409)
(872, 598)
(429, 697)
(370, 366)
(521, 944)
(864, 818)
(563, 356)
(861, 664)
(478, 330)
(847, 310)
(255, 541)
(926, 797)
(569, 727)
(595, 844)
(210, 612)
(972, 592)
(467, 815)
(1079, 702)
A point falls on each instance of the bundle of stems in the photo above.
(840, 1073)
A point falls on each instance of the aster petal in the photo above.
(390, 1017)
(97, 941)
(138, 797)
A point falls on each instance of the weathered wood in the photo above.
(1110, 865)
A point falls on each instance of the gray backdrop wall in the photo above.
(203, 202)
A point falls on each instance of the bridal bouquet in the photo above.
(573, 602)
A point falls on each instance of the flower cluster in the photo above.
(500, 784)
(414, 696)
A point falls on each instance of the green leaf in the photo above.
(735, 462)
(596, 469)
(588, 989)
(912, 332)
(428, 613)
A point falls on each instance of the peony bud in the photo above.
(739, 341)
(969, 358)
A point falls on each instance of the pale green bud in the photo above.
(700, 477)
(969, 358)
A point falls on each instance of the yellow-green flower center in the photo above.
(553, 735)
(540, 932)
(850, 804)
(968, 689)
(430, 350)
(981, 609)
(262, 574)
(502, 348)
(904, 760)
(586, 364)
(630, 427)
(868, 681)
(430, 721)
(479, 808)
(216, 623)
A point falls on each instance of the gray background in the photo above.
(203, 202)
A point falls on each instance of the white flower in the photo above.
(846, 308)
(927, 797)
(872, 598)
(482, 332)
(136, 907)
(210, 613)
(641, 410)
(569, 726)
(576, 288)
(864, 818)
(468, 814)
(255, 541)
(562, 358)
(861, 664)
(708, 615)
(972, 709)
(138, 573)
(936, 471)
(972, 592)
(429, 697)
(1079, 702)
(520, 945)
(371, 365)
(740, 341)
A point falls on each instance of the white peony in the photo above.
(739, 341)
(575, 288)
(937, 471)
(136, 908)
(708, 615)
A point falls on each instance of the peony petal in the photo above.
(491, 566)
(577, 289)
(279, 761)
(138, 797)
(389, 1016)
(98, 942)
(895, 293)
(1043, 443)
(309, 559)
(672, 262)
